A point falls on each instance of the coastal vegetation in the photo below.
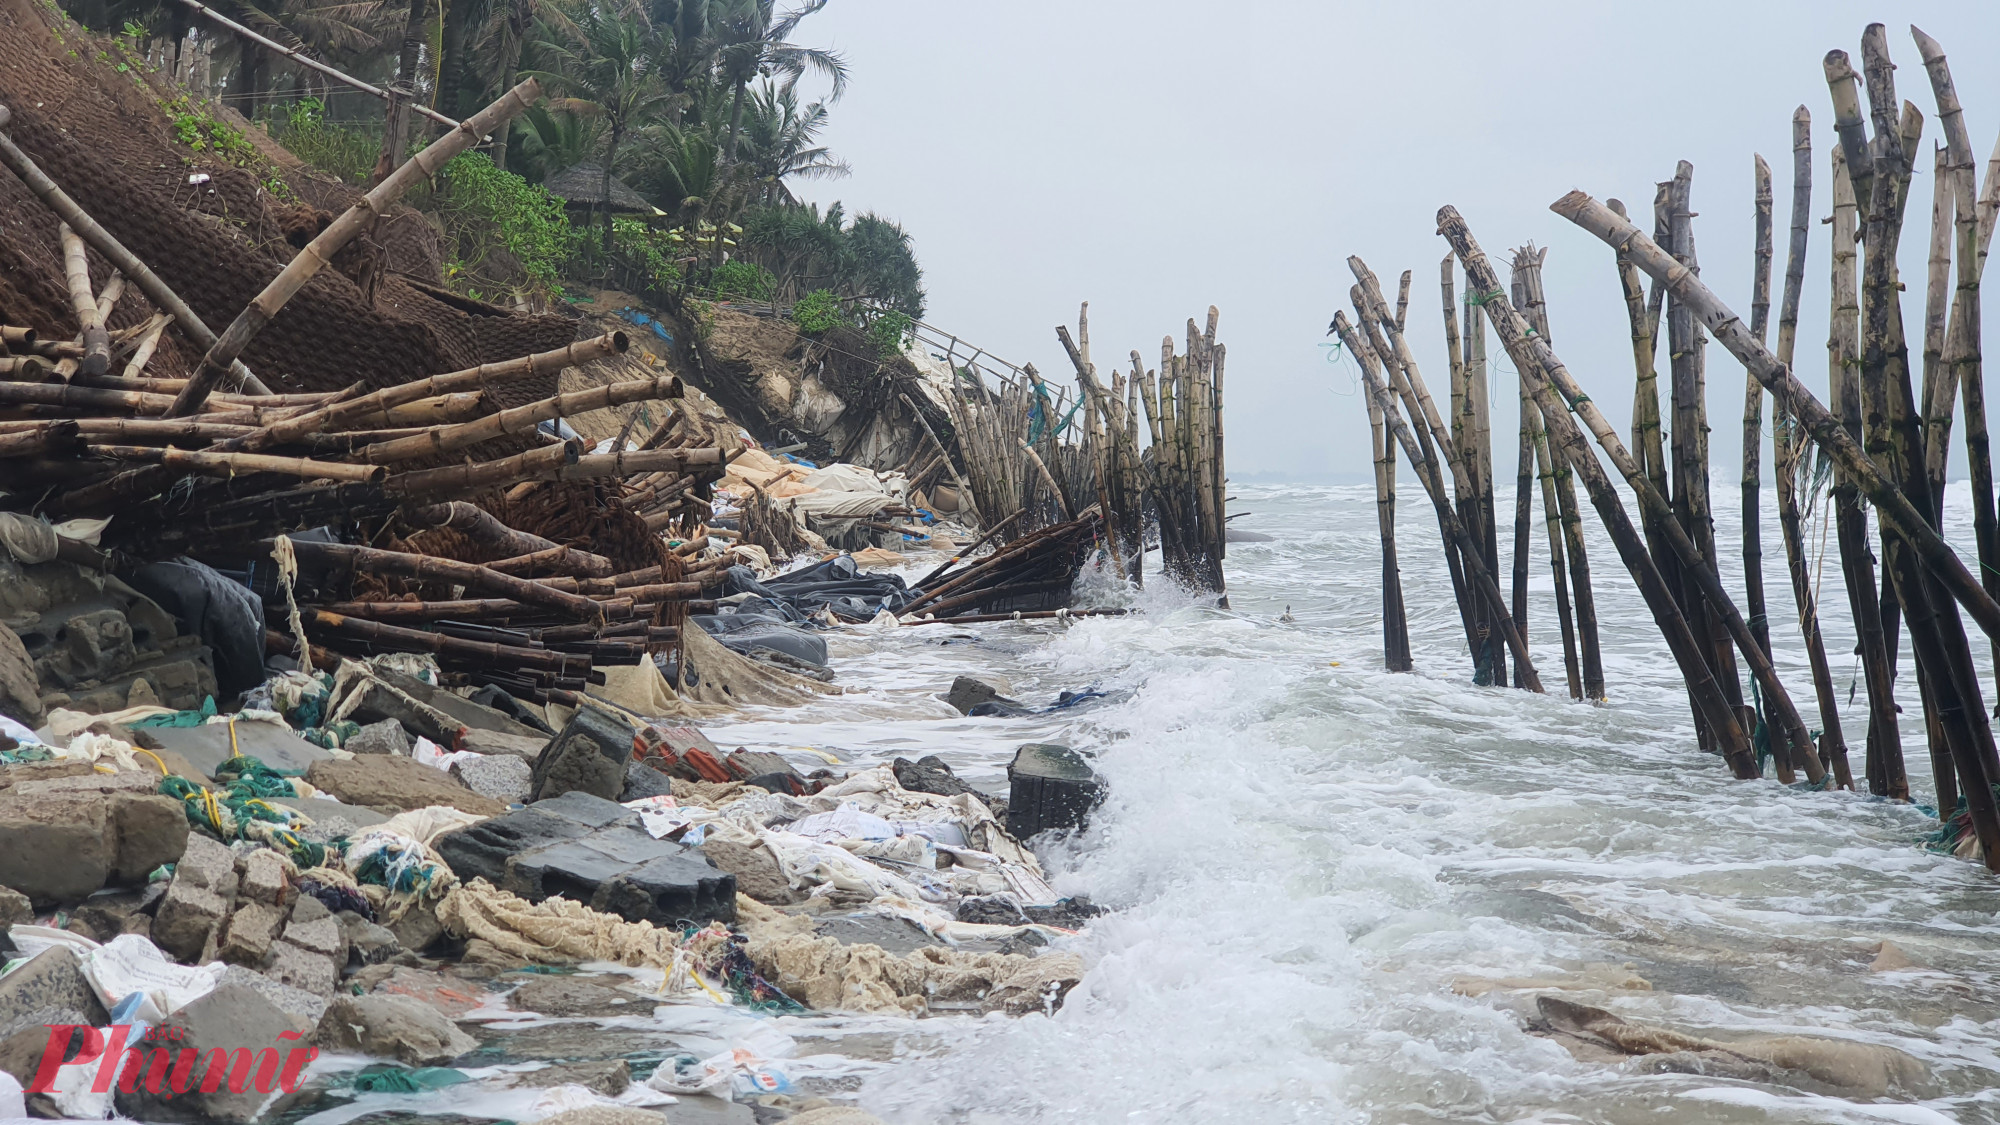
(681, 131)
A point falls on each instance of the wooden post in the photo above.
(1531, 416)
(1475, 510)
(395, 132)
(322, 248)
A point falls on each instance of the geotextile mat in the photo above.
(216, 234)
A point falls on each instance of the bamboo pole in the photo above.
(1974, 224)
(44, 439)
(1689, 438)
(1395, 624)
(430, 568)
(1753, 412)
(1529, 264)
(1926, 546)
(1787, 443)
(238, 464)
(464, 480)
(113, 251)
(1533, 356)
(1475, 509)
(1940, 391)
(328, 242)
(521, 419)
(1545, 476)
(1432, 477)
(1372, 330)
(76, 269)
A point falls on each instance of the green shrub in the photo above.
(744, 279)
(484, 208)
(194, 128)
(889, 332)
(344, 150)
(818, 311)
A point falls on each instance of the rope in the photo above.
(288, 573)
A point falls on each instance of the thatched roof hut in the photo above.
(582, 186)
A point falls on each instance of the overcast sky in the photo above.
(1156, 158)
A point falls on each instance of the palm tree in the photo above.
(778, 140)
(752, 41)
(605, 60)
(553, 140)
(681, 171)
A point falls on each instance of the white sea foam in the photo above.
(1305, 853)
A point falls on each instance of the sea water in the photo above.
(1316, 870)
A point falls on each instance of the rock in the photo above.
(929, 774)
(746, 764)
(401, 784)
(319, 935)
(610, 1077)
(233, 1017)
(482, 957)
(834, 1115)
(575, 996)
(20, 687)
(968, 692)
(1050, 787)
(144, 829)
(526, 747)
(309, 909)
(642, 780)
(594, 851)
(756, 870)
(367, 943)
(587, 755)
(304, 1008)
(251, 930)
(19, 772)
(106, 914)
(384, 737)
(55, 849)
(503, 777)
(447, 994)
(417, 928)
(264, 879)
(401, 1027)
(991, 910)
(198, 899)
(616, 1115)
(14, 908)
(303, 969)
(49, 989)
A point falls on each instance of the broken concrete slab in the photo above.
(208, 746)
(576, 996)
(587, 755)
(400, 784)
(302, 969)
(49, 989)
(263, 878)
(304, 1008)
(525, 747)
(1051, 787)
(252, 928)
(592, 850)
(968, 692)
(234, 1017)
(502, 777)
(198, 899)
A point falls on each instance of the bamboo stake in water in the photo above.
(1556, 392)
(1395, 627)
(1529, 264)
(1787, 442)
(1432, 478)
(1476, 510)
(1753, 415)
(1545, 476)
